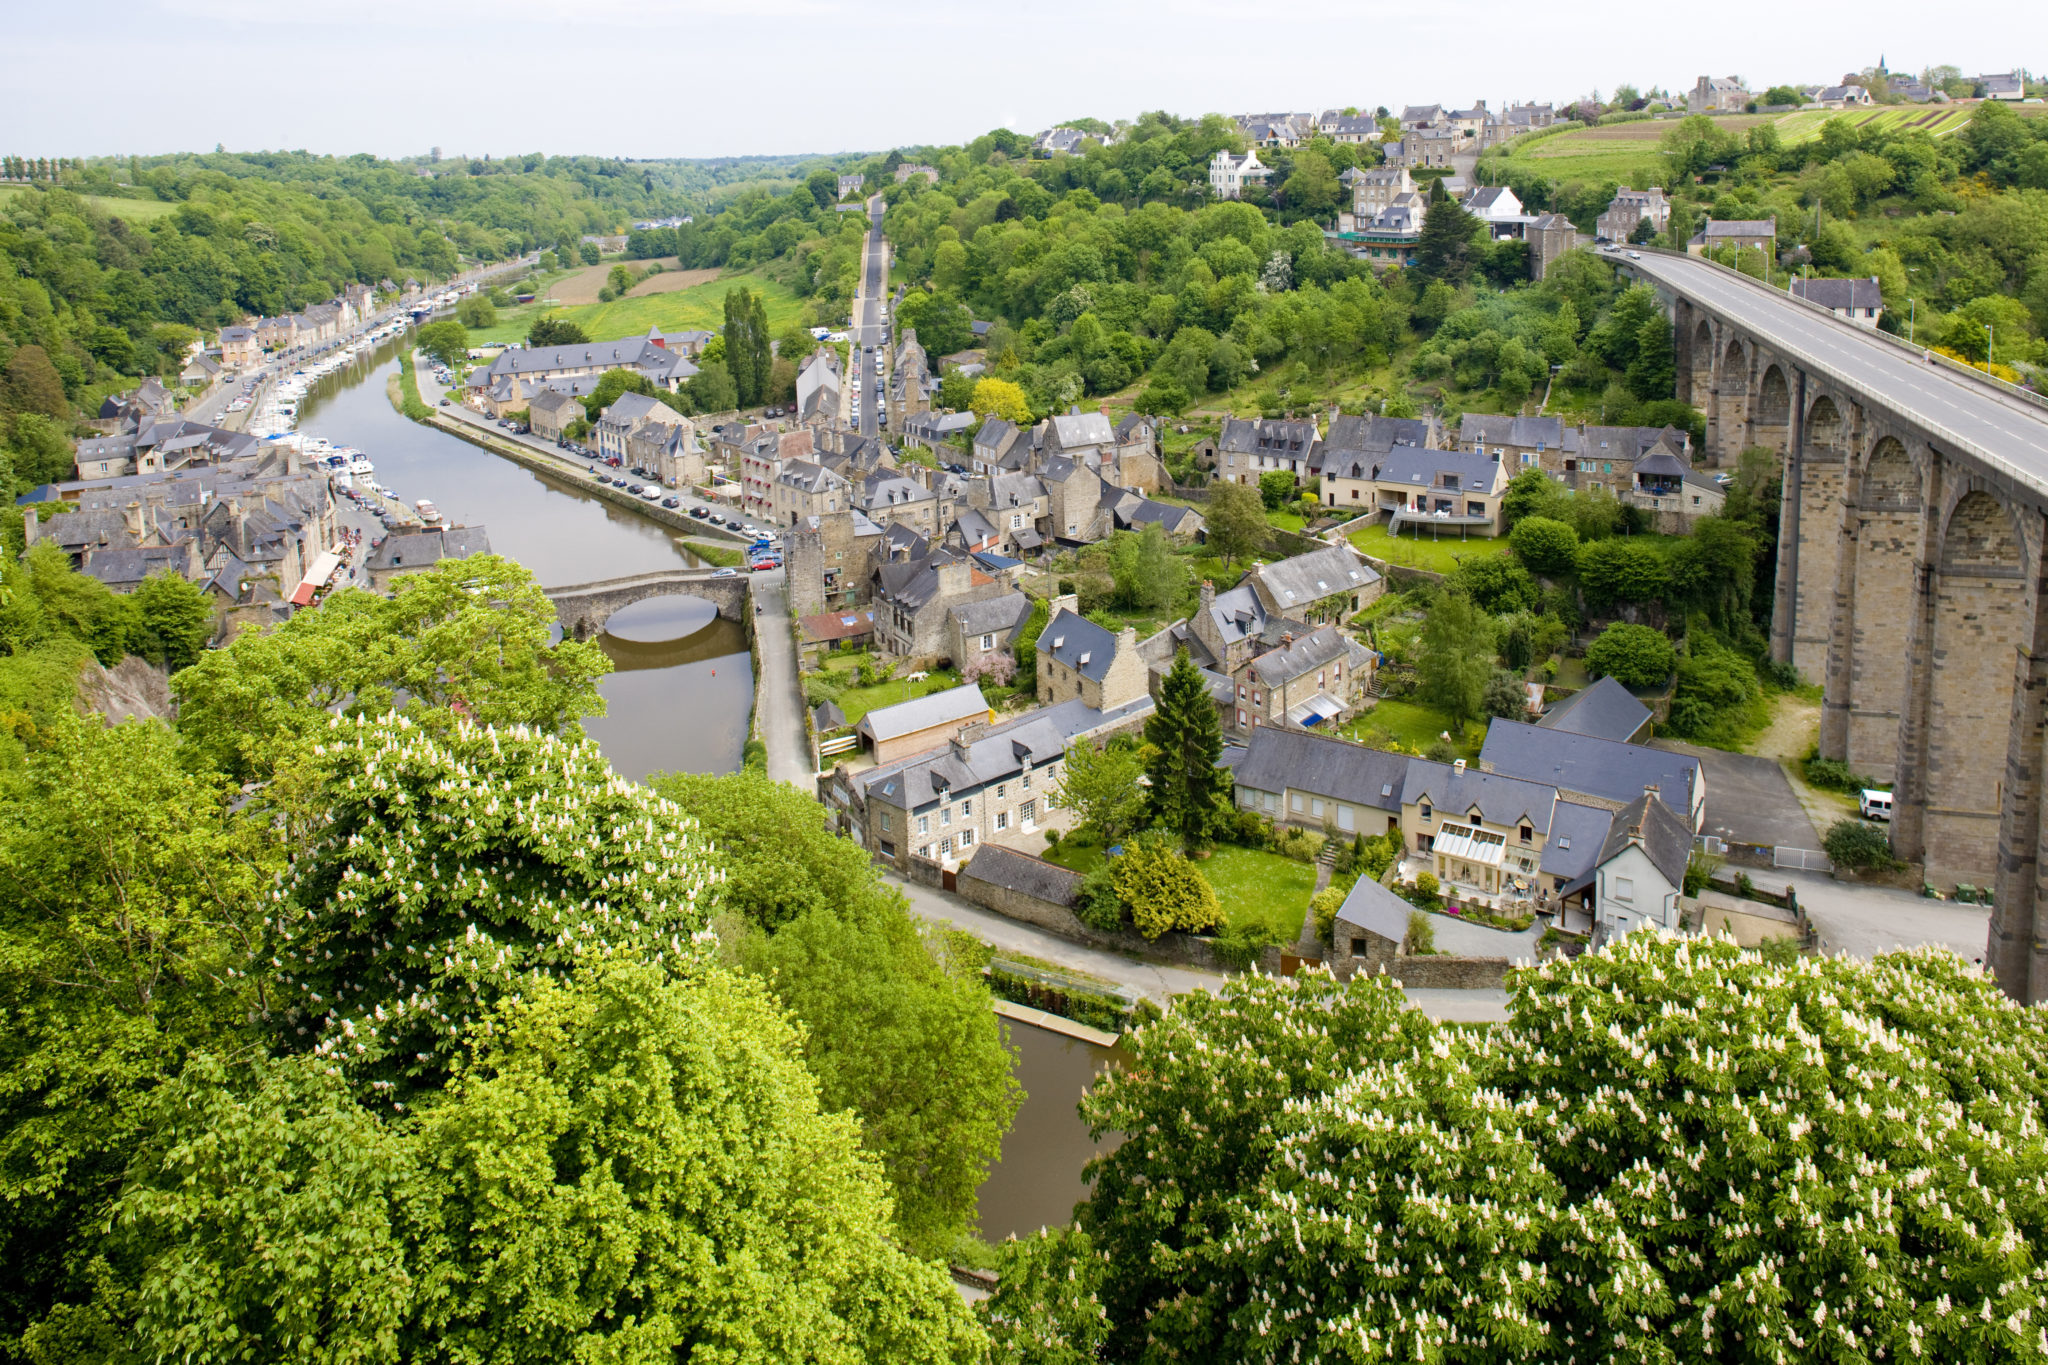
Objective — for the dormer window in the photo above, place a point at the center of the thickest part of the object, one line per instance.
(1423, 814)
(1528, 833)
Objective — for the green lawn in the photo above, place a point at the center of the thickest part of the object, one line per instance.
(1415, 726)
(858, 701)
(1253, 886)
(1441, 553)
(698, 307)
(134, 210)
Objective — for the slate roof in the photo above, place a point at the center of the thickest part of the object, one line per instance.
(1599, 767)
(1083, 429)
(1419, 468)
(1666, 838)
(1375, 909)
(1295, 582)
(837, 625)
(1037, 737)
(1546, 432)
(1168, 515)
(1863, 293)
(1078, 643)
(1501, 800)
(1317, 649)
(1663, 463)
(1740, 227)
(1371, 432)
(827, 716)
(1606, 710)
(1023, 874)
(993, 615)
(1577, 834)
(1277, 759)
(422, 549)
(633, 353)
(964, 702)
(1014, 490)
(551, 400)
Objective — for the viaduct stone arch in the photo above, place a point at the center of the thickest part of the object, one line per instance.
(583, 608)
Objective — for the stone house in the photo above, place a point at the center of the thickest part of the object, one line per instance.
(1245, 448)
(1717, 95)
(657, 446)
(1595, 771)
(1000, 446)
(937, 431)
(922, 723)
(1314, 680)
(975, 630)
(913, 599)
(1518, 442)
(1085, 437)
(1550, 236)
(1426, 149)
(893, 499)
(1017, 506)
(1332, 584)
(1441, 488)
(1079, 660)
(1073, 501)
(239, 348)
(616, 423)
(549, 413)
(804, 490)
(413, 551)
(1860, 301)
(1626, 211)
(1133, 512)
(1609, 455)
(1749, 234)
(830, 561)
(646, 356)
(1371, 927)
(1483, 834)
(820, 390)
(1379, 187)
(1137, 463)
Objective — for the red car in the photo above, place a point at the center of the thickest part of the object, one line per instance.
(761, 565)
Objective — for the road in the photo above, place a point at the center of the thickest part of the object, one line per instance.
(2002, 430)
(869, 349)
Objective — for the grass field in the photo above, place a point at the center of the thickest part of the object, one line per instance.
(134, 210)
(1416, 726)
(699, 305)
(1252, 885)
(1442, 555)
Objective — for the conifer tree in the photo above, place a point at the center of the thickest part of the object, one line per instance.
(1188, 789)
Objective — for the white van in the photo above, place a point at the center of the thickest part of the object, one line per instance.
(1876, 805)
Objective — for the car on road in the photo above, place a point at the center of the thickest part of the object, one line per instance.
(1635, 255)
(671, 502)
(726, 573)
(764, 565)
(699, 513)
(652, 492)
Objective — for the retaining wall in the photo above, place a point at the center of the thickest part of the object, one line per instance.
(1173, 949)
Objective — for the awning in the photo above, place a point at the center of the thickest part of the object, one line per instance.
(323, 568)
(1315, 710)
(303, 594)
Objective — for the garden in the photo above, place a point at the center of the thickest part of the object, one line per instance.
(858, 681)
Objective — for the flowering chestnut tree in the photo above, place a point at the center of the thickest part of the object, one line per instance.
(1673, 1150)
(455, 869)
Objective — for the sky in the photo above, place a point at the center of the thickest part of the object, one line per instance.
(700, 78)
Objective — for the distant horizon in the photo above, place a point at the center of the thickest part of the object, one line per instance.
(740, 78)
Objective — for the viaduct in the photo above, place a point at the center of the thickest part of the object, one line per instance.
(583, 608)
(1911, 577)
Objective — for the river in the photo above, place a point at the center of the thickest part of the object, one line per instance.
(679, 699)
(683, 682)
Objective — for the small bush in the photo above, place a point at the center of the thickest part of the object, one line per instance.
(1325, 904)
(1098, 906)
(1239, 946)
(1441, 751)
(1052, 840)
(1859, 846)
(1423, 893)
(1298, 844)
(754, 755)
(1831, 774)
(1253, 830)
(1421, 934)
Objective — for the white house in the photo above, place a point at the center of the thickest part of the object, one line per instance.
(1229, 174)
(1641, 872)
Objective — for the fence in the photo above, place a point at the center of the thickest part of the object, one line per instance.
(1801, 859)
(838, 746)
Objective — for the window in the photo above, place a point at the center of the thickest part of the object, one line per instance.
(1002, 819)
(1027, 780)
(1026, 813)
(1002, 790)
(1424, 812)
(1315, 807)
(945, 848)
(924, 824)
(1294, 802)
(1624, 889)
(945, 815)
(1240, 718)
(966, 808)
(1256, 698)
(887, 820)
(1346, 818)
(988, 642)
(925, 852)
(966, 838)
(1528, 834)
(1241, 692)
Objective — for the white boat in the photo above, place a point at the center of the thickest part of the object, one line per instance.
(430, 515)
(360, 464)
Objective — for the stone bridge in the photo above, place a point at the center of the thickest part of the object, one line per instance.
(1911, 577)
(583, 608)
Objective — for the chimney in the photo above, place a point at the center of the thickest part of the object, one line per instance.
(960, 744)
(1652, 790)
(1459, 765)
(1208, 594)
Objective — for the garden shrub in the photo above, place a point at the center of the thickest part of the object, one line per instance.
(1831, 774)
(1859, 846)
(1421, 934)
(1298, 844)
(1098, 905)
(1324, 905)
(1239, 946)
(1423, 893)
(1634, 656)
(1162, 889)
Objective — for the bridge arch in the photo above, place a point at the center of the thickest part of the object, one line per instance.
(1702, 377)
(1730, 418)
(1826, 430)
(1980, 619)
(583, 608)
(1876, 597)
(1820, 478)
(1771, 421)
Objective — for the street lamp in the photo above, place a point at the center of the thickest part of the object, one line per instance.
(1911, 309)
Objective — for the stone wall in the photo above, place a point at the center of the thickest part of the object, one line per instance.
(1180, 950)
(1435, 972)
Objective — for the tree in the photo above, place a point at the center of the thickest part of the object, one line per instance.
(1858, 845)
(1002, 398)
(1643, 231)
(446, 341)
(610, 385)
(476, 311)
(1495, 583)
(613, 1137)
(1100, 786)
(1455, 658)
(467, 637)
(1276, 486)
(1634, 656)
(1613, 571)
(1654, 369)
(587, 253)
(995, 668)
(457, 868)
(1532, 493)
(1447, 248)
(552, 329)
(1188, 790)
(1783, 95)
(31, 383)
(1163, 395)
(39, 448)
(823, 187)
(1505, 698)
(176, 620)
(1285, 1106)
(746, 345)
(1312, 187)
(1547, 547)
(1162, 889)
(1147, 574)
(1235, 519)
(711, 389)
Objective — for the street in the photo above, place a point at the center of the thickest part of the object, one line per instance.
(870, 352)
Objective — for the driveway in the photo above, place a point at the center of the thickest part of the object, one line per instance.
(781, 696)
(1864, 921)
(1749, 799)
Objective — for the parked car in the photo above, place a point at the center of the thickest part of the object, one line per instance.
(671, 502)
(699, 513)
(726, 573)
(763, 565)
